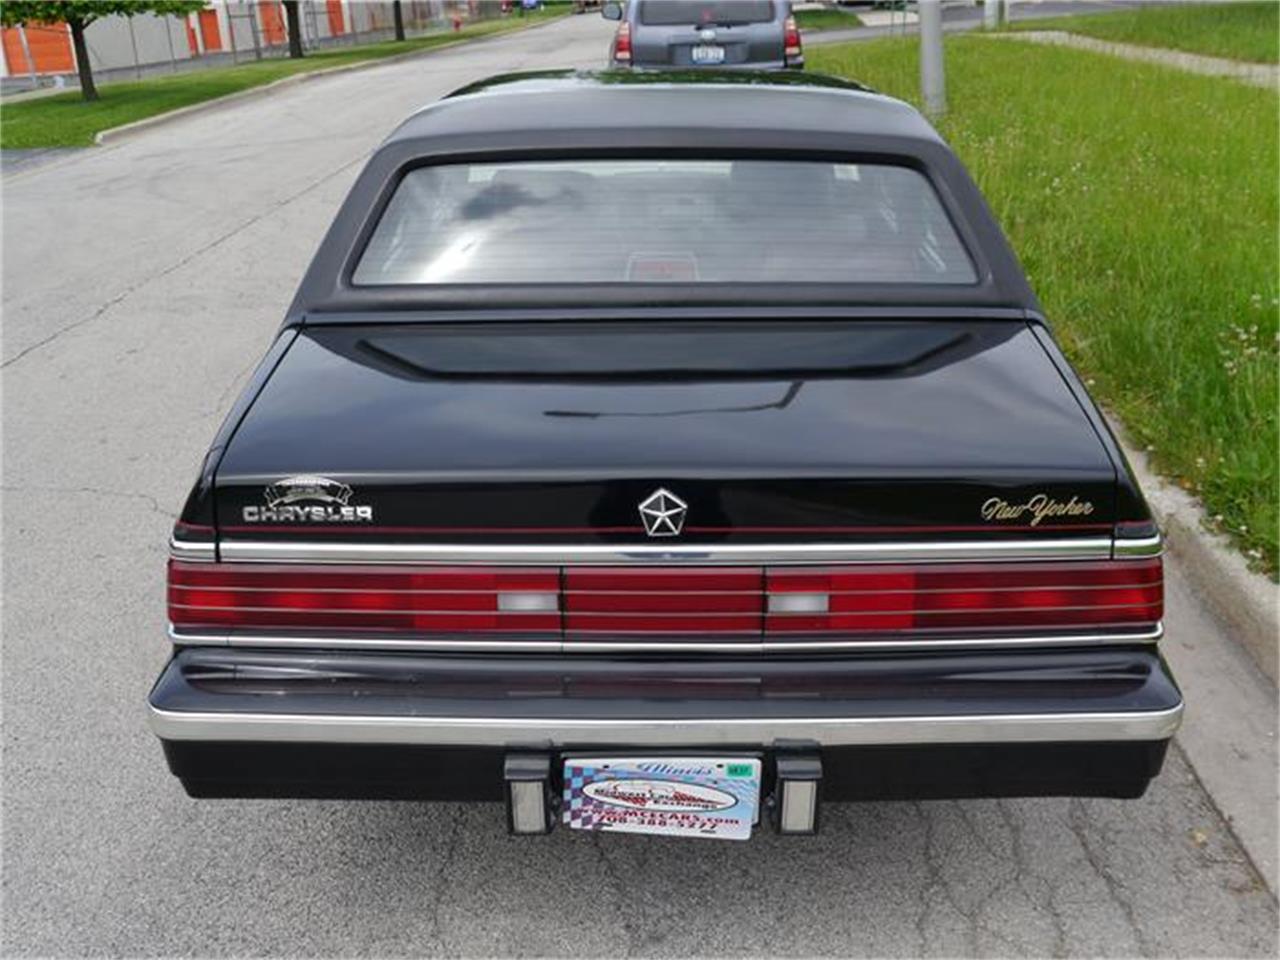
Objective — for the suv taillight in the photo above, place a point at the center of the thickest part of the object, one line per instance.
(622, 44)
(855, 601)
(792, 49)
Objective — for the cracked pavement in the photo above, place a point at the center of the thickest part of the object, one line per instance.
(142, 282)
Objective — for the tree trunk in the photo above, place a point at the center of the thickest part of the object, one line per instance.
(399, 17)
(295, 28)
(87, 89)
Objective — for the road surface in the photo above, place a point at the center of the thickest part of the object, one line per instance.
(141, 284)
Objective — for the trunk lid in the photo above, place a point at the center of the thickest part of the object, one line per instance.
(787, 431)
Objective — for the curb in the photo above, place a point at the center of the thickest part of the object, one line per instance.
(113, 134)
(1248, 603)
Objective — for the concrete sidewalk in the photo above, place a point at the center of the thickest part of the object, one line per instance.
(960, 19)
(1255, 74)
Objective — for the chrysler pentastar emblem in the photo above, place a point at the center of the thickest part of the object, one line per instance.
(663, 513)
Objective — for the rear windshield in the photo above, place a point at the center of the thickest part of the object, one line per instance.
(658, 13)
(664, 221)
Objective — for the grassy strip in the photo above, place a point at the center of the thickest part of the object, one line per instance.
(1237, 31)
(830, 18)
(1145, 207)
(65, 120)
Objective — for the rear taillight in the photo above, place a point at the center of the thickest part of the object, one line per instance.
(416, 599)
(622, 43)
(791, 40)
(707, 600)
(855, 602)
(965, 597)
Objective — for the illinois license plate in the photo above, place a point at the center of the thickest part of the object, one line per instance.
(716, 797)
(708, 53)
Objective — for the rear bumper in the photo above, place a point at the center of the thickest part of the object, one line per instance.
(572, 732)
(659, 67)
(250, 723)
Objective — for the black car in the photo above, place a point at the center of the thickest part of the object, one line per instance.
(688, 34)
(665, 453)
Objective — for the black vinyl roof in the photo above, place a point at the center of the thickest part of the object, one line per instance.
(705, 114)
(723, 99)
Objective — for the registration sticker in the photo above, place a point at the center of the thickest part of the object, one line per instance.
(716, 797)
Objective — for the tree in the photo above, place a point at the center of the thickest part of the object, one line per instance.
(78, 14)
(295, 29)
(398, 14)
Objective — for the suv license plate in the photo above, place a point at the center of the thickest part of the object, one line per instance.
(706, 53)
(716, 797)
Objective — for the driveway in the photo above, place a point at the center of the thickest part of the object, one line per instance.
(141, 284)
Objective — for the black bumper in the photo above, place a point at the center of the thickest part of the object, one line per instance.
(237, 723)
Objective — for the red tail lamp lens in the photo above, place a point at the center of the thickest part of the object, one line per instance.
(734, 602)
(706, 600)
(967, 596)
(791, 38)
(417, 599)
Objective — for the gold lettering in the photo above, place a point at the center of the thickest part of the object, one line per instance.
(1041, 507)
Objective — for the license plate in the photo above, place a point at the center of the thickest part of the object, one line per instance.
(715, 797)
(707, 53)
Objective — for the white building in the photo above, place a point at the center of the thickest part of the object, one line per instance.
(226, 30)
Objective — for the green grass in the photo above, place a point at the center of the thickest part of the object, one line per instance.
(66, 120)
(1238, 31)
(1143, 203)
(831, 18)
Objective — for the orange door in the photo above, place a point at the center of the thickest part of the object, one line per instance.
(192, 42)
(50, 45)
(334, 8)
(13, 55)
(209, 32)
(272, 23)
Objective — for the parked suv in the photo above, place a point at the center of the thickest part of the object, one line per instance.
(704, 33)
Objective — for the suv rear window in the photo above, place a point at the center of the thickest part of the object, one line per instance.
(672, 221)
(660, 13)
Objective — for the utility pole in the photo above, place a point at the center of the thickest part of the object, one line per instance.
(993, 14)
(933, 84)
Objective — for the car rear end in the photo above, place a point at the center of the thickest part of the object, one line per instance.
(637, 563)
(688, 34)
(865, 629)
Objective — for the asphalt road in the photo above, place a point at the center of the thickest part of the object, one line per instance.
(141, 284)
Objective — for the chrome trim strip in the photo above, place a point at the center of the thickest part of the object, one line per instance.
(1098, 548)
(556, 732)
(1144, 547)
(573, 647)
(193, 549)
(452, 645)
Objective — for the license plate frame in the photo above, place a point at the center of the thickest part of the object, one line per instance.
(707, 54)
(704, 797)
